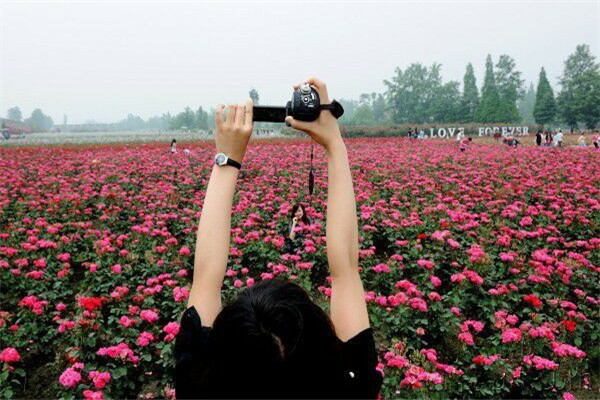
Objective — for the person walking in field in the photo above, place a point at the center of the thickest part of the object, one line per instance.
(558, 139)
(548, 139)
(173, 146)
(538, 138)
(273, 341)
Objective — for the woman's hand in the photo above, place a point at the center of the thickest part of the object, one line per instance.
(233, 132)
(324, 130)
(295, 221)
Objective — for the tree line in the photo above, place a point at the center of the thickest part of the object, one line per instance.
(418, 95)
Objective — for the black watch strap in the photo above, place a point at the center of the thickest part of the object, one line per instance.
(335, 108)
(234, 163)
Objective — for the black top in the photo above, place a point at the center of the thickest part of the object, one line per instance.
(358, 377)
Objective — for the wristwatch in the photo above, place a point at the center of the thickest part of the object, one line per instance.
(221, 159)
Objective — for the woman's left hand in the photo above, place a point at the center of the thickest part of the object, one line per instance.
(233, 132)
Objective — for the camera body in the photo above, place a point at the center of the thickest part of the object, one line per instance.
(305, 104)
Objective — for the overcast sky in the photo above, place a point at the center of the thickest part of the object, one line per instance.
(103, 60)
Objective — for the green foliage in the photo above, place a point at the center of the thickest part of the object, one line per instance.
(470, 96)
(510, 88)
(490, 100)
(39, 121)
(579, 99)
(254, 95)
(14, 113)
(417, 95)
(526, 105)
(545, 105)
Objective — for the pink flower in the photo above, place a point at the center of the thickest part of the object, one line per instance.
(568, 396)
(9, 355)
(100, 379)
(145, 338)
(172, 330)
(70, 378)
(511, 335)
(92, 395)
(149, 316)
(116, 268)
(184, 251)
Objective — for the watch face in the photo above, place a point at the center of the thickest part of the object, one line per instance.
(221, 159)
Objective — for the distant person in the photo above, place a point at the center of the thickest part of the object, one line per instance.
(464, 143)
(558, 138)
(173, 146)
(548, 138)
(298, 219)
(581, 141)
(497, 135)
(421, 134)
(409, 133)
(538, 138)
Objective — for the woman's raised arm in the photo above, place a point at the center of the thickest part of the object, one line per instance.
(348, 305)
(214, 230)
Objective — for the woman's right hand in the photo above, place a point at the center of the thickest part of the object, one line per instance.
(295, 221)
(325, 129)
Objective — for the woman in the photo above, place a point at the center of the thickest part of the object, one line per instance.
(538, 138)
(273, 341)
(299, 219)
(548, 139)
(173, 146)
(581, 140)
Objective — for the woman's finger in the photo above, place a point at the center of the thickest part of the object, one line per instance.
(240, 114)
(230, 114)
(219, 116)
(249, 113)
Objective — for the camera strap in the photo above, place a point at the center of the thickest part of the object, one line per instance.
(335, 108)
(311, 173)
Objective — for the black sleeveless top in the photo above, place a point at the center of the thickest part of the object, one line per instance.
(357, 379)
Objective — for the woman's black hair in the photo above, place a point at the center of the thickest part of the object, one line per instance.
(273, 341)
(304, 216)
(173, 141)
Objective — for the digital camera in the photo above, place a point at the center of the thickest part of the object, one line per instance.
(304, 106)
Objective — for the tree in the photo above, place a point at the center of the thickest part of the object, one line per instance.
(526, 105)
(254, 95)
(411, 93)
(470, 96)
(510, 89)
(490, 100)
(201, 119)
(579, 98)
(350, 107)
(14, 113)
(39, 121)
(446, 105)
(184, 120)
(131, 123)
(544, 110)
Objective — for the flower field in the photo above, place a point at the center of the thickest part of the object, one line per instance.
(481, 268)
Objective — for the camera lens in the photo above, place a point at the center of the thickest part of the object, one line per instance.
(305, 99)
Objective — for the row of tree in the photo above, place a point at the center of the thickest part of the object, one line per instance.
(418, 95)
(38, 121)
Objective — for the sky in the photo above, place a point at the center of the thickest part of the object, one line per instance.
(100, 60)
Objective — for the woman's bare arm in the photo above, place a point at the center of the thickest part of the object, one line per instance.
(214, 229)
(348, 306)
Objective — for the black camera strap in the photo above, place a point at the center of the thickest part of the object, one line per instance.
(335, 108)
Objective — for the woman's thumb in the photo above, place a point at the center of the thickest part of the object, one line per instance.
(300, 125)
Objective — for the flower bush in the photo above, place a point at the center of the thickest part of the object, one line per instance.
(480, 268)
